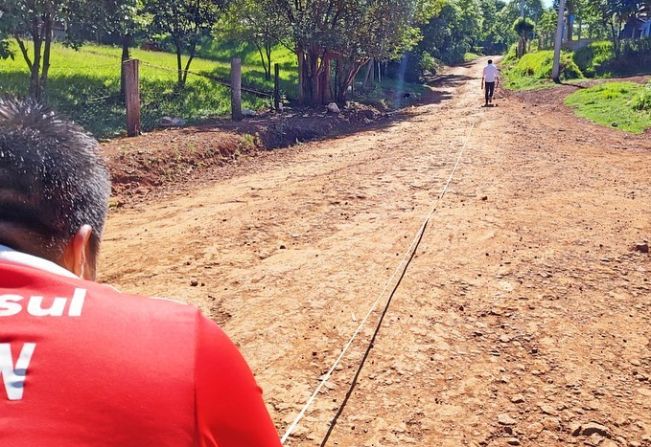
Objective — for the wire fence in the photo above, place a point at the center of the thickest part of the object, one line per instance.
(91, 96)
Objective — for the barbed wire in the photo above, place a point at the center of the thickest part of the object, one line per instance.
(213, 78)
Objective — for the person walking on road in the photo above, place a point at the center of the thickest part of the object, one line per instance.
(81, 363)
(489, 81)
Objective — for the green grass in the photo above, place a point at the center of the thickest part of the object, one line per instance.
(469, 57)
(85, 85)
(615, 104)
(534, 70)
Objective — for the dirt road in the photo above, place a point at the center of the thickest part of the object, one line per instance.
(524, 319)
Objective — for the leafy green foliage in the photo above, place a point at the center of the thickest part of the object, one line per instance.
(524, 26)
(592, 59)
(185, 23)
(599, 58)
(546, 28)
(256, 23)
(121, 18)
(511, 56)
(449, 35)
(469, 57)
(614, 104)
(341, 36)
(642, 101)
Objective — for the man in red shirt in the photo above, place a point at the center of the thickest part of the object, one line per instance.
(80, 363)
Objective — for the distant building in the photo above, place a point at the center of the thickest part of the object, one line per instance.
(636, 28)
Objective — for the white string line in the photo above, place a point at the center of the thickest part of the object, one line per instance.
(398, 269)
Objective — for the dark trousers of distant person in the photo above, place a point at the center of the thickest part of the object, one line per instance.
(489, 87)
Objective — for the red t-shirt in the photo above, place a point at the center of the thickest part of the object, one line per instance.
(85, 365)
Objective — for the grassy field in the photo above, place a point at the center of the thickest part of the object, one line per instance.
(623, 105)
(85, 85)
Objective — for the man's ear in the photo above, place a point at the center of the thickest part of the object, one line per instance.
(78, 256)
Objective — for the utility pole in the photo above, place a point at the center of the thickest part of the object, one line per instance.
(556, 69)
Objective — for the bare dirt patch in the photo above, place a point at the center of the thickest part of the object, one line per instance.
(166, 160)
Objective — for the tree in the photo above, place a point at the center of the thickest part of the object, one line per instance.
(447, 36)
(495, 38)
(343, 35)
(122, 20)
(471, 20)
(524, 28)
(5, 49)
(185, 22)
(35, 20)
(257, 23)
(380, 30)
(546, 28)
(614, 13)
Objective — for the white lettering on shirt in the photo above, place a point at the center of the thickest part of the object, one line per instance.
(13, 376)
(38, 306)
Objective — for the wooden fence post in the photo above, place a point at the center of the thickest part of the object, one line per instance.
(132, 96)
(236, 89)
(276, 86)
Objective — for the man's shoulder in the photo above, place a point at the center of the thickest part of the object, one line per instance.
(95, 300)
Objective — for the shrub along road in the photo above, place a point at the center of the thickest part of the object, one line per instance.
(524, 318)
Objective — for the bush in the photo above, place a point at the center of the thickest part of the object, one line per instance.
(511, 56)
(428, 64)
(524, 26)
(594, 58)
(642, 101)
(637, 48)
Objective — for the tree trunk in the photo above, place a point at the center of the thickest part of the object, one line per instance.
(301, 73)
(45, 67)
(347, 71)
(269, 50)
(369, 72)
(179, 66)
(615, 39)
(186, 70)
(35, 68)
(325, 94)
(522, 46)
(313, 78)
(263, 60)
(126, 43)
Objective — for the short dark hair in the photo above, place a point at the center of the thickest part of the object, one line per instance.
(490, 61)
(53, 179)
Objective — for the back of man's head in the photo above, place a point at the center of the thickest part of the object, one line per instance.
(490, 61)
(52, 181)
